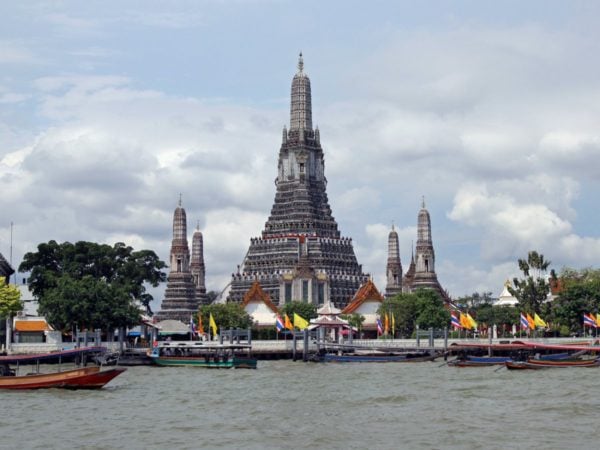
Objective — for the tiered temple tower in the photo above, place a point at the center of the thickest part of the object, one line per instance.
(197, 267)
(424, 275)
(394, 266)
(300, 254)
(180, 296)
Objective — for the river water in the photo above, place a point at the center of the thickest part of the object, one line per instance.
(288, 404)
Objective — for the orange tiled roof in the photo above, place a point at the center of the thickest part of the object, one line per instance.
(255, 293)
(367, 291)
(31, 325)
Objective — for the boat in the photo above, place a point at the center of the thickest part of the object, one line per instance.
(402, 358)
(208, 355)
(534, 364)
(468, 363)
(82, 378)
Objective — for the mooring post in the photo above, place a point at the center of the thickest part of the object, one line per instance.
(418, 337)
(293, 346)
(490, 341)
(249, 336)
(231, 335)
(305, 348)
(431, 337)
(445, 339)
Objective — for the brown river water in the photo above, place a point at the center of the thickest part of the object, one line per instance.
(285, 404)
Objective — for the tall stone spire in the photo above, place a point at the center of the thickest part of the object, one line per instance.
(179, 302)
(301, 108)
(424, 265)
(425, 253)
(180, 252)
(394, 266)
(301, 254)
(197, 266)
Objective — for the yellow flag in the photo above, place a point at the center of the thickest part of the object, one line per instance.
(288, 323)
(386, 327)
(212, 324)
(464, 321)
(538, 321)
(299, 322)
(597, 320)
(393, 323)
(472, 323)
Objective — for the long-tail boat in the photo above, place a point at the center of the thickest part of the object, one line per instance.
(83, 378)
(546, 364)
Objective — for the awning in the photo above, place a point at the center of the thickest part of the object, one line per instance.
(31, 325)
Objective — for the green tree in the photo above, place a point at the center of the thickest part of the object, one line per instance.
(92, 285)
(579, 294)
(226, 315)
(354, 320)
(502, 316)
(10, 299)
(476, 299)
(423, 307)
(531, 290)
(305, 310)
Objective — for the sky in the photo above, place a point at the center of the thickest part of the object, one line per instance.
(109, 110)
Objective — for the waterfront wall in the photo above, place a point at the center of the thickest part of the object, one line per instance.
(286, 346)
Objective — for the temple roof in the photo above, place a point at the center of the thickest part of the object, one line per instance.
(328, 310)
(367, 291)
(256, 295)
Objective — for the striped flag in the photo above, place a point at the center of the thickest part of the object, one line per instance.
(379, 327)
(588, 321)
(454, 321)
(279, 323)
(524, 322)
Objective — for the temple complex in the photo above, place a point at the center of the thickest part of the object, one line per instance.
(185, 282)
(300, 254)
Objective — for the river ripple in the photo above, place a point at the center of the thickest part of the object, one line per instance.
(305, 405)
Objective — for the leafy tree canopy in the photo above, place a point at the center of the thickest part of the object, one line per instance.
(91, 285)
(579, 294)
(424, 307)
(476, 299)
(10, 299)
(355, 320)
(531, 290)
(303, 309)
(228, 315)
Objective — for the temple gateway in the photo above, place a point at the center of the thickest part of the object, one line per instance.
(300, 254)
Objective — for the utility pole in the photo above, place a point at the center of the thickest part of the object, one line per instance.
(11, 251)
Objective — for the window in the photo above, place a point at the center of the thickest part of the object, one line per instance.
(288, 292)
(178, 264)
(301, 167)
(321, 293)
(305, 290)
(426, 265)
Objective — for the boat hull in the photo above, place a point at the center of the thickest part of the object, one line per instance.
(539, 364)
(375, 358)
(84, 378)
(207, 363)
